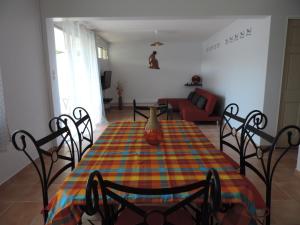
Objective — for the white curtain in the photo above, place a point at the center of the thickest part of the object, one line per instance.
(4, 133)
(78, 75)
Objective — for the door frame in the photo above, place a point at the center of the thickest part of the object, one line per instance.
(284, 77)
(52, 66)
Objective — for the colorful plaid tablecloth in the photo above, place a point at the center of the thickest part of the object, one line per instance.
(122, 155)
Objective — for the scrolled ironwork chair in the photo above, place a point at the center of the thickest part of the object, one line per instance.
(230, 126)
(83, 127)
(207, 191)
(50, 163)
(230, 131)
(162, 109)
(268, 156)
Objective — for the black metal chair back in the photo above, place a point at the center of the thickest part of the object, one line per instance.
(209, 190)
(162, 109)
(85, 129)
(268, 156)
(230, 119)
(230, 128)
(51, 163)
(82, 127)
(71, 123)
(81, 122)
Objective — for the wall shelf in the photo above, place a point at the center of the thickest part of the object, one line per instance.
(192, 85)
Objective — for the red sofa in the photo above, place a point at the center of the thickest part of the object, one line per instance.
(189, 111)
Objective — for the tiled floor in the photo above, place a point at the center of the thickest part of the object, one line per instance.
(21, 202)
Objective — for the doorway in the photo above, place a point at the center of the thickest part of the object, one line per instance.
(290, 91)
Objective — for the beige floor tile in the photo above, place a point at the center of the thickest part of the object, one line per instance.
(20, 214)
(4, 206)
(292, 188)
(27, 176)
(286, 212)
(38, 220)
(21, 193)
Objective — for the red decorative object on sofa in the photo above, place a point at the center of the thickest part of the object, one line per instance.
(191, 112)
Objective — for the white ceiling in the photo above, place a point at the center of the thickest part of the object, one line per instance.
(126, 30)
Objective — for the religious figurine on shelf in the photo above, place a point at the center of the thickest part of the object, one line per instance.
(153, 62)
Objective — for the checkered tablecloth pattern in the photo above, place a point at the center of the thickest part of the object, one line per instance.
(122, 155)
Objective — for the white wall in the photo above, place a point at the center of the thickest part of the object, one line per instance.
(237, 70)
(280, 10)
(24, 77)
(178, 61)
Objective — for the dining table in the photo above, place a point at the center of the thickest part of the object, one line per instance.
(184, 156)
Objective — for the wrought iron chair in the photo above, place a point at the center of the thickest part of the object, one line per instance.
(162, 109)
(268, 156)
(208, 190)
(83, 127)
(51, 163)
(230, 127)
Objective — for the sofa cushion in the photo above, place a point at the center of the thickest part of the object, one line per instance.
(195, 99)
(201, 102)
(190, 96)
(211, 100)
(184, 104)
(190, 112)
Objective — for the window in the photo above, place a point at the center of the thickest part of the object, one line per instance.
(100, 52)
(105, 54)
(59, 40)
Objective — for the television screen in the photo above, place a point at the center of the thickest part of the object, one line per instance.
(106, 80)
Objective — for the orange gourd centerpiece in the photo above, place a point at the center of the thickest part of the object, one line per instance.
(153, 133)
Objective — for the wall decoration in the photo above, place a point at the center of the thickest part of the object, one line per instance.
(249, 31)
(153, 62)
(246, 33)
(213, 47)
(196, 80)
(242, 34)
(238, 36)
